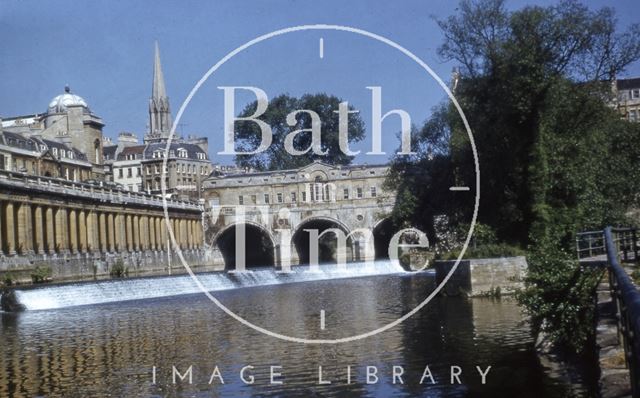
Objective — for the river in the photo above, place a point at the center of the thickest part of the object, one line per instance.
(112, 349)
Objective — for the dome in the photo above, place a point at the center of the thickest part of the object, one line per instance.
(61, 102)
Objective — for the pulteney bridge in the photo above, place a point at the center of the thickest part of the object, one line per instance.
(276, 208)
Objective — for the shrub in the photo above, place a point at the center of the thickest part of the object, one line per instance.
(492, 250)
(8, 279)
(119, 270)
(558, 295)
(41, 274)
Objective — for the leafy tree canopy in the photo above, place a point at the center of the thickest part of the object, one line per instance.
(248, 136)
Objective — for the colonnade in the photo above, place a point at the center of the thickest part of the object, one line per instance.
(30, 229)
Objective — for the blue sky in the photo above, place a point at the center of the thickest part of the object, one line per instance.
(104, 51)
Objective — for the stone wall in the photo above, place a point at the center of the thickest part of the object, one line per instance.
(481, 277)
(101, 265)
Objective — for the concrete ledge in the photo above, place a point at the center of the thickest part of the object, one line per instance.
(482, 277)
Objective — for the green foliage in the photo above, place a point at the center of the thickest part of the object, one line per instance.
(492, 250)
(248, 136)
(635, 276)
(8, 279)
(554, 157)
(119, 270)
(559, 296)
(41, 274)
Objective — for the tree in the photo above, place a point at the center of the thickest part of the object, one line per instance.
(554, 157)
(248, 136)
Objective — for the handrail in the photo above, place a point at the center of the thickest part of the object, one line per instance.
(626, 298)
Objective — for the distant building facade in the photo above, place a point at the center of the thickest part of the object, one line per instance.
(280, 206)
(63, 142)
(140, 167)
(627, 98)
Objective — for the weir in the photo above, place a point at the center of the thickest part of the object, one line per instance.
(89, 293)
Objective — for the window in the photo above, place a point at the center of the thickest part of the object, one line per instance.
(359, 193)
(254, 199)
(279, 197)
(55, 151)
(635, 93)
(182, 153)
(633, 115)
(304, 196)
(293, 196)
(266, 198)
(345, 193)
(70, 155)
(129, 173)
(201, 156)
(373, 192)
(120, 173)
(240, 200)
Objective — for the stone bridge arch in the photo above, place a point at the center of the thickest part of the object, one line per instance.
(259, 245)
(327, 243)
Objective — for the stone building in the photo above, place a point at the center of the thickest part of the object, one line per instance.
(68, 134)
(627, 98)
(318, 196)
(34, 155)
(80, 230)
(140, 167)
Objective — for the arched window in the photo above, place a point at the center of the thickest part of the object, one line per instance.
(96, 146)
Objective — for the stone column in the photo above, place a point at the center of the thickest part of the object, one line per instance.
(39, 232)
(95, 233)
(136, 233)
(151, 221)
(159, 243)
(193, 233)
(144, 232)
(194, 228)
(199, 234)
(50, 230)
(129, 231)
(73, 229)
(102, 219)
(2, 245)
(183, 234)
(163, 234)
(82, 224)
(111, 226)
(25, 231)
(176, 233)
(11, 234)
(120, 236)
(187, 226)
(62, 244)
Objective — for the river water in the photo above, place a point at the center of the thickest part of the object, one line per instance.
(111, 349)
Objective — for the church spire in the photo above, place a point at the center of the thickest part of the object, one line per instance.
(159, 110)
(158, 90)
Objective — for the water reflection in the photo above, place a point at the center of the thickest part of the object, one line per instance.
(110, 350)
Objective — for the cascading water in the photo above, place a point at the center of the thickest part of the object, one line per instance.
(74, 294)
